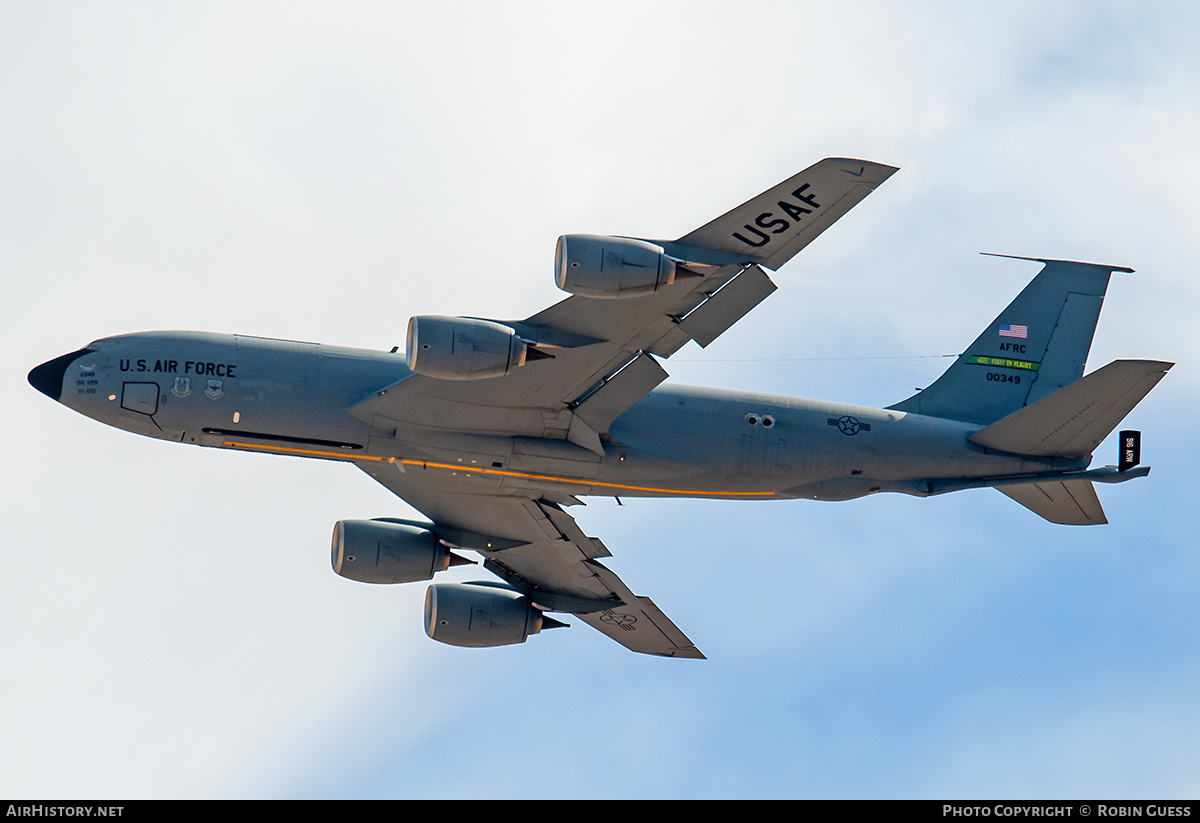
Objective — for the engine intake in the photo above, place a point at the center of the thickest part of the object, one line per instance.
(462, 348)
(611, 267)
(481, 614)
(375, 551)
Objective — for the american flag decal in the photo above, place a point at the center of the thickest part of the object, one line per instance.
(1011, 330)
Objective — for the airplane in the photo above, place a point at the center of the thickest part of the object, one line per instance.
(493, 429)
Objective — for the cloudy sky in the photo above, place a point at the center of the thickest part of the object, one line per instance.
(170, 624)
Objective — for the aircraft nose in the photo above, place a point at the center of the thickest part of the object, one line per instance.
(48, 377)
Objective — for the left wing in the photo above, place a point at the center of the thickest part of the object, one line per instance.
(603, 351)
(595, 357)
(539, 549)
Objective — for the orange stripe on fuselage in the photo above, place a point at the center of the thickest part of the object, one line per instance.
(425, 464)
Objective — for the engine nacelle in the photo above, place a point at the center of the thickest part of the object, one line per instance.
(460, 348)
(479, 614)
(375, 551)
(610, 267)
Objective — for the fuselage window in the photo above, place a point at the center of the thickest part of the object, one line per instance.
(140, 397)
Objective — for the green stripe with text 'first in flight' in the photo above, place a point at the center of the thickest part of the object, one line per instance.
(1002, 362)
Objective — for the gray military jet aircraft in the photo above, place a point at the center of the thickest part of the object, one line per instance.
(492, 429)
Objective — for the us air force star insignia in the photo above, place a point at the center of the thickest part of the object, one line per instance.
(182, 387)
(214, 390)
(621, 621)
(848, 425)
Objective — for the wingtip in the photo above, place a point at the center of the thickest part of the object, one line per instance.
(879, 171)
(862, 162)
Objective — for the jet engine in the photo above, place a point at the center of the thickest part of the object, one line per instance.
(610, 267)
(376, 551)
(461, 348)
(481, 614)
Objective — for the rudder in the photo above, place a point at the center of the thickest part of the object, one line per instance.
(1036, 346)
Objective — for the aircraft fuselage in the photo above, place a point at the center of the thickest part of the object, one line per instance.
(292, 398)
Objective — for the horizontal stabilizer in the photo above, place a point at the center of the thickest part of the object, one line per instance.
(1073, 421)
(1069, 502)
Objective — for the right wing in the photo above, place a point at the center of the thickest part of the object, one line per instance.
(539, 549)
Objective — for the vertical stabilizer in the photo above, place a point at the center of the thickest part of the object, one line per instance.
(1036, 346)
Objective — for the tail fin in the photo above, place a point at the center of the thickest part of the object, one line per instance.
(1037, 345)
